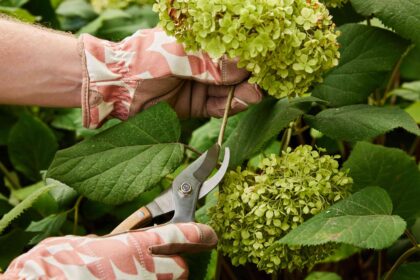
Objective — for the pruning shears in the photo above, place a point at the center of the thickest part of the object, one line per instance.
(189, 186)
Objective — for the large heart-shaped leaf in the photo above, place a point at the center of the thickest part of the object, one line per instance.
(31, 146)
(120, 163)
(361, 122)
(402, 15)
(391, 169)
(368, 55)
(365, 220)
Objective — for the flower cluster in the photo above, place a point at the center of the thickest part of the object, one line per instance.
(286, 44)
(258, 207)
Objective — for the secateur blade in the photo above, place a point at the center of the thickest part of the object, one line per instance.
(173, 198)
(186, 186)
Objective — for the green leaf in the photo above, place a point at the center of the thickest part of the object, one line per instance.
(71, 119)
(94, 26)
(45, 203)
(198, 264)
(414, 111)
(364, 220)
(21, 207)
(368, 55)
(19, 13)
(31, 146)
(343, 252)
(408, 91)
(408, 271)
(4, 205)
(401, 15)
(410, 66)
(391, 169)
(61, 193)
(13, 3)
(318, 275)
(120, 163)
(119, 28)
(46, 227)
(361, 122)
(12, 245)
(75, 8)
(259, 125)
(6, 123)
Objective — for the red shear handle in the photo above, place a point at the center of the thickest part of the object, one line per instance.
(138, 219)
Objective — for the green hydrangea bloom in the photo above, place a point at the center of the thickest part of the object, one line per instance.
(100, 5)
(334, 3)
(258, 207)
(286, 44)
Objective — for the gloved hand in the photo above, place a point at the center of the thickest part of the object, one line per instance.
(139, 254)
(121, 79)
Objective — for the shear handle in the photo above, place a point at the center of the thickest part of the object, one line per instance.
(138, 219)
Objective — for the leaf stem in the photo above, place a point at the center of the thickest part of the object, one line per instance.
(400, 260)
(76, 214)
(15, 184)
(411, 237)
(413, 147)
(394, 74)
(192, 149)
(379, 272)
(225, 116)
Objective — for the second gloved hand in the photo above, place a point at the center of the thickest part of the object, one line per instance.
(121, 79)
(138, 254)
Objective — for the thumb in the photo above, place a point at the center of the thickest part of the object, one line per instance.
(183, 238)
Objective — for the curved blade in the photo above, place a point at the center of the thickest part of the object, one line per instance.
(215, 180)
(205, 164)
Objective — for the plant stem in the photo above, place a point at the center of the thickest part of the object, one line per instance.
(287, 135)
(394, 74)
(192, 149)
(225, 116)
(411, 237)
(378, 276)
(15, 184)
(400, 260)
(76, 214)
(414, 146)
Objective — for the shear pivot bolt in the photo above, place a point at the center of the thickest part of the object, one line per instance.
(185, 188)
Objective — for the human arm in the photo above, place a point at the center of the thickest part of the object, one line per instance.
(38, 66)
(108, 79)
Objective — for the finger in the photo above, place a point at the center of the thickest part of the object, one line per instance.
(223, 71)
(245, 94)
(231, 73)
(170, 265)
(182, 238)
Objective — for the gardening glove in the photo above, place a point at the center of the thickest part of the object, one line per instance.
(139, 254)
(121, 79)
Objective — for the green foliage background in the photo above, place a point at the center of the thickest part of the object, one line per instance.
(367, 109)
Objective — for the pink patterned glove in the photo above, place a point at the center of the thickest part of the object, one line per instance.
(121, 79)
(140, 254)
